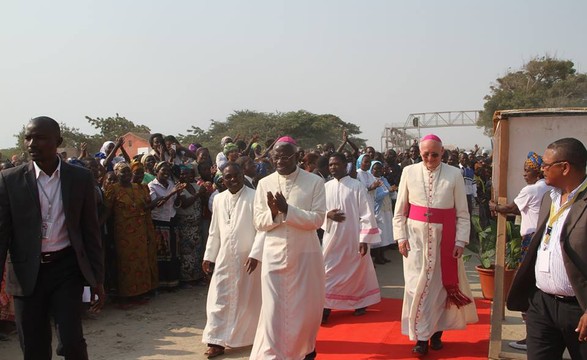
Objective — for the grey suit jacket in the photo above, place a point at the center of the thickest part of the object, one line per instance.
(20, 225)
(574, 249)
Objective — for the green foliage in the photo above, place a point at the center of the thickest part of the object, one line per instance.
(543, 82)
(112, 128)
(72, 137)
(513, 250)
(485, 248)
(307, 128)
(195, 135)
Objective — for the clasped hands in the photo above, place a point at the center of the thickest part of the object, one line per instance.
(277, 203)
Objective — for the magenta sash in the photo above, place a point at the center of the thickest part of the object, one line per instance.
(448, 264)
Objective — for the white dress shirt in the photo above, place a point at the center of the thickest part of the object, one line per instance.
(551, 275)
(54, 232)
(156, 190)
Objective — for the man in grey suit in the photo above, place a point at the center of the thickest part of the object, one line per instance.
(50, 238)
(551, 283)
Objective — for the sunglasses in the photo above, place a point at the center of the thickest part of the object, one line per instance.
(282, 158)
(432, 155)
(547, 165)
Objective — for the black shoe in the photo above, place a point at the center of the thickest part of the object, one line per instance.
(421, 348)
(311, 356)
(360, 311)
(436, 341)
(325, 315)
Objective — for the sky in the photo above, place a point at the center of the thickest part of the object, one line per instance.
(171, 65)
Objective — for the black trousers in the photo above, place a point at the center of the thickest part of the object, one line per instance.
(550, 328)
(57, 296)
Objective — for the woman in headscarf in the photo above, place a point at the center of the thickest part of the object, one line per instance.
(188, 216)
(527, 204)
(164, 192)
(128, 204)
(107, 154)
(365, 177)
(110, 272)
(148, 161)
(205, 181)
(383, 213)
(138, 175)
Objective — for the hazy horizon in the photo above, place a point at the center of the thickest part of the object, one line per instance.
(173, 65)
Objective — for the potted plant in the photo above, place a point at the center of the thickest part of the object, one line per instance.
(484, 250)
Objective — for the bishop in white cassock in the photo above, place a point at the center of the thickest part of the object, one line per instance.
(289, 207)
(350, 225)
(431, 224)
(234, 296)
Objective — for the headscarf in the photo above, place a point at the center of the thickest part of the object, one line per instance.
(229, 147)
(121, 165)
(136, 165)
(373, 164)
(360, 160)
(225, 140)
(145, 157)
(159, 165)
(533, 161)
(105, 146)
(192, 147)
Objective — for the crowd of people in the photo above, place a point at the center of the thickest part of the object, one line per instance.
(281, 235)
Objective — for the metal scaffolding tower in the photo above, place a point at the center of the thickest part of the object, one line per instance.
(398, 137)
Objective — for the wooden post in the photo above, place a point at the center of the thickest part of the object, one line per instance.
(497, 307)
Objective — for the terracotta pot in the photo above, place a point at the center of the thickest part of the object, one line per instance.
(486, 278)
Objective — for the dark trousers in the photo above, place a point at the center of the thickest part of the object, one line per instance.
(57, 295)
(550, 328)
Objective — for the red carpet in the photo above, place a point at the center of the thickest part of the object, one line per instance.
(377, 335)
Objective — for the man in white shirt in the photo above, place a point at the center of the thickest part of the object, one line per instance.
(526, 204)
(49, 228)
(551, 283)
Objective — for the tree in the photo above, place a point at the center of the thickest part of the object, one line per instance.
(307, 128)
(72, 137)
(196, 135)
(543, 82)
(113, 127)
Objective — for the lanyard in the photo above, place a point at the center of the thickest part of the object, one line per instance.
(554, 216)
(50, 201)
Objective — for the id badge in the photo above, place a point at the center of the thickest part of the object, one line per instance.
(46, 228)
(544, 265)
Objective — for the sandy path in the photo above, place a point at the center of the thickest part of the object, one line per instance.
(170, 325)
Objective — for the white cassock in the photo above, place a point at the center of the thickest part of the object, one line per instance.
(351, 282)
(292, 270)
(234, 297)
(424, 311)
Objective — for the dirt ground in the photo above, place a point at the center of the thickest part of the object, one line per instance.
(170, 326)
